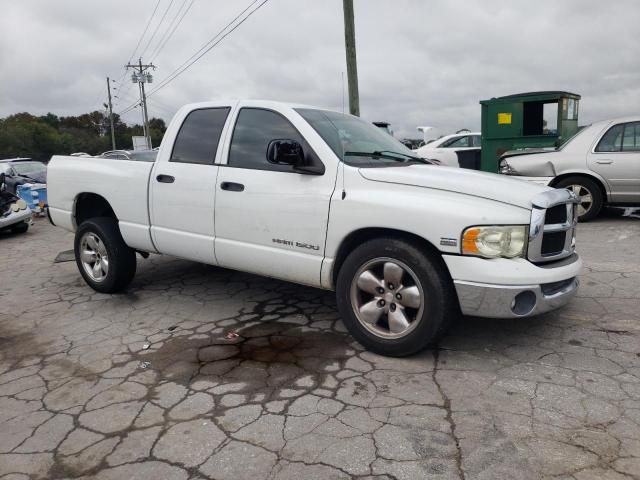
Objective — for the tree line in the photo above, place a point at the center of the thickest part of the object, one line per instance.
(40, 137)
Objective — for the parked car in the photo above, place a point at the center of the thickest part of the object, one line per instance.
(15, 215)
(330, 201)
(139, 155)
(445, 149)
(19, 171)
(600, 164)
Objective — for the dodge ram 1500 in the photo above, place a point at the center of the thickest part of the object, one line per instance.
(328, 200)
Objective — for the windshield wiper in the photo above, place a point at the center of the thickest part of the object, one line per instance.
(388, 154)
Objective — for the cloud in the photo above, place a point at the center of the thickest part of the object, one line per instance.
(418, 62)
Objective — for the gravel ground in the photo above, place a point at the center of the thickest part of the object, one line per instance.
(200, 372)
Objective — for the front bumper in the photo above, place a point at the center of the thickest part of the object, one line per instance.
(489, 287)
(15, 217)
(509, 301)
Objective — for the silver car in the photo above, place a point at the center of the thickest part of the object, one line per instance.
(600, 164)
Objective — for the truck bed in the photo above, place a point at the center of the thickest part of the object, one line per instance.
(124, 182)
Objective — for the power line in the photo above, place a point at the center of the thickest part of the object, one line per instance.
(146, 28)
(120, 80)
(206, 47)
(169, 31)
(156, 29)
(182, 68)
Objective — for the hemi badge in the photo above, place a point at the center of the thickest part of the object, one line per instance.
(449, 242)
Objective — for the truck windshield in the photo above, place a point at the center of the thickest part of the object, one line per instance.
(357, 142)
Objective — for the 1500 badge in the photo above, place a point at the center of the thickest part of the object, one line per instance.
(296, 244)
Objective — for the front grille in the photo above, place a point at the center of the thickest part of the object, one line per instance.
(552, 229)
(557, 214)
(553, 243)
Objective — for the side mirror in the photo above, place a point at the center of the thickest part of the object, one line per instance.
(290, 152)
(285, 152)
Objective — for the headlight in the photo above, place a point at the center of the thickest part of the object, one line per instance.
(495, 241)
(22, 205)
(507, 169)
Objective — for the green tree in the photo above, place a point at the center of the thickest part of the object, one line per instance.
(26, 135)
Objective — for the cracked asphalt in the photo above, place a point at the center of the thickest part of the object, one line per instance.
(199, 372)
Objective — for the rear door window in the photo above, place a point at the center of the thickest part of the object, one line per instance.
(631, 137)
(612, 140)
(199, 135)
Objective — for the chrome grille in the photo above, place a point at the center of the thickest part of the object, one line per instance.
(553, 222)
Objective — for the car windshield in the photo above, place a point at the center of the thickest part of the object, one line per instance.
(357, 142)
(26, 168)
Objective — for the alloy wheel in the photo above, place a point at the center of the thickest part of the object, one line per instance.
(585, 197)
(94, 257)
(387, 297)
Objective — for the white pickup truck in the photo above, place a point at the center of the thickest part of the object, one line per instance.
(328, 200)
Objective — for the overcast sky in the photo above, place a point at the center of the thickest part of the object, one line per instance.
(419, 62)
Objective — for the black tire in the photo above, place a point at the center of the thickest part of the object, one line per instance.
(122, 259)
(20, 228)
(594, 190)
(439, 302)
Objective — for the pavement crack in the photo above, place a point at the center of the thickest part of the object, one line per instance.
(449, 416)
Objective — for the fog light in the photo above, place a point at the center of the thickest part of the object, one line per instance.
(523, 303)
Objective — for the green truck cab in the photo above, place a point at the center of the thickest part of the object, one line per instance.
(526, 120)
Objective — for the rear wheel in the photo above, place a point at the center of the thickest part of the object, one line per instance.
(393, 298)
(589, 194)
(105, 262)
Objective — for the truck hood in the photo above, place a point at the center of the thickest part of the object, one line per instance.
(491, 186)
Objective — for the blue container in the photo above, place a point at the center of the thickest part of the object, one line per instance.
(33, 194)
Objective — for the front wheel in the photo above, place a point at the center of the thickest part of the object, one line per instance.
(105, 262)
(394, 298)
(589, 194)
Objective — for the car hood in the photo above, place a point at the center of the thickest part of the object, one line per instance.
(491, 186)
(36, 177)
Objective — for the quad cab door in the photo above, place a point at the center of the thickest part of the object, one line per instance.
(616, 158)
(270, 218)
(182, 187)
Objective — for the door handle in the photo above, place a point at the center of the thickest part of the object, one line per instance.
(604, 161)
(232, 186)
(165, 178)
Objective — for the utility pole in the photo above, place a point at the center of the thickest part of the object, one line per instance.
(352, 69)
(141, 76)
(113, 135)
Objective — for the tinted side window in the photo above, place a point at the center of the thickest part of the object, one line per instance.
(254, 129)
(631, 137)
(477, 140)
(460, 142)
(197, 140)
(612, 140)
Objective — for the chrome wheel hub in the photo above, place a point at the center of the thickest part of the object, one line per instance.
(585, 197)
(94, 257)
(387, 297)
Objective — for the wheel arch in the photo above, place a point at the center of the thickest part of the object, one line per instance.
(357, 237)
(88, 205)
(595, 178)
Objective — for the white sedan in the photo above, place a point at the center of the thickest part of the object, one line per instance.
(445, 149)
